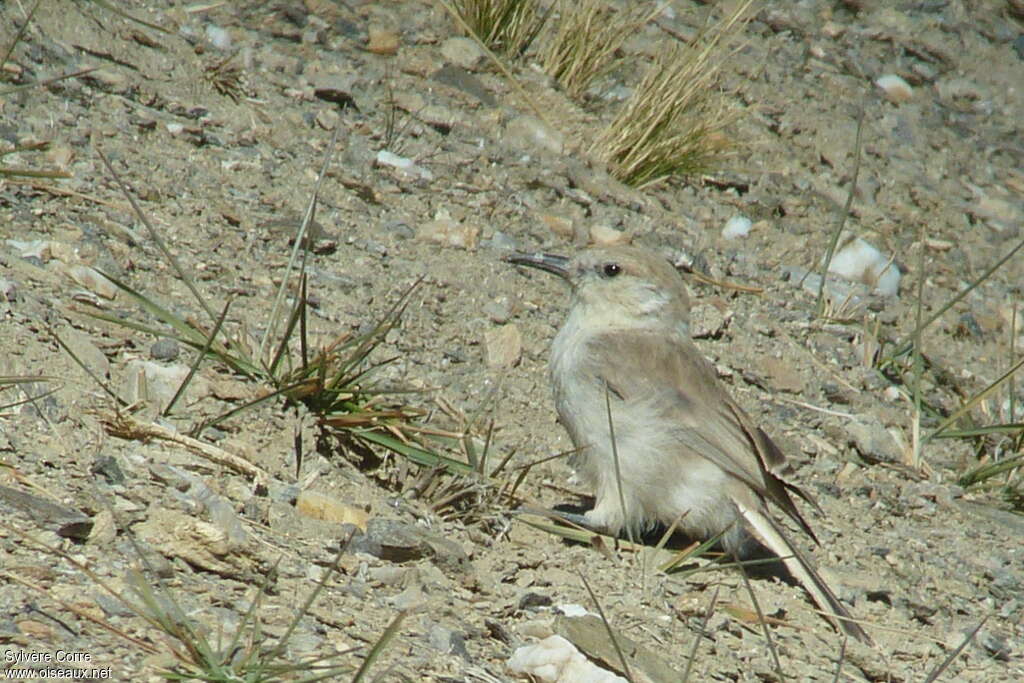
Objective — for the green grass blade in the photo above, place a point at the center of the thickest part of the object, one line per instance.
(199, 359)
(378, 648)
(155, 236)
(185, 332)
(905, 345)
(974, 400)
(78, 361)
(990, 470)
(298, 313)
(416, 454)
(819, 302)
(608, 628)
(301, 243)
(20, 33)
(988, 430)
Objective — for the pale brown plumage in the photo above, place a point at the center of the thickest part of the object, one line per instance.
(683, 445)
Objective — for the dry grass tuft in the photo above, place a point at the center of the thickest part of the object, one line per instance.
(504, 26)
(674, 122)
(589, 34)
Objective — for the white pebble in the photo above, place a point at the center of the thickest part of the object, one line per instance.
(403, 164)
(573, 610)
(859, 261)
(530, 133)
(895, 88)
(556, 660)
(218, 37)
(736, 227)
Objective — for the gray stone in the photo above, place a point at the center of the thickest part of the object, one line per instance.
(529, 133)
(873, 442)
(165, 349)
(504, 346)
(464, 52)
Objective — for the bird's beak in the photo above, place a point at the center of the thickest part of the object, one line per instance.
(553, 263)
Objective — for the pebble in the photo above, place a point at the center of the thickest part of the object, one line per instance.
(559, 224)
(464, 52)
(463, 80)
(873, 441)
(93, 280)
(407, 166)
(707, 321)
(530, 133)
(38, 249)
(501, 241)
(218, 37)
(449, 232)
(556, 660)
(66, 522)
(783, 376)
(382, 41)
(322, 506)
(390, 540)
(104, 528)
(106, 466)
(605, 235)
(498, 310)
(998, 213)
(8, 290)
(201, 544)
(1018, 46)
(895, 88)
(108, 79)
(859, 261)
(400, 229)
(157, 384)
(504, 346)
(836, 290)
(165, 349)
(736, 227)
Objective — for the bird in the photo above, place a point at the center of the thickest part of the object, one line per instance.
(656, 435)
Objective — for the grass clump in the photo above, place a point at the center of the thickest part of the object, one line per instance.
(584, 44)
(505, 26)
(333, 382)
(673, 123)
(244, 654)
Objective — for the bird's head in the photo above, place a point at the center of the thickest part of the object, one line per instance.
(621, 286)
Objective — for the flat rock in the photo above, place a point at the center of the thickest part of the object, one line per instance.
(504, 346)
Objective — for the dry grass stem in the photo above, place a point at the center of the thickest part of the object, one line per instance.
(126, 427)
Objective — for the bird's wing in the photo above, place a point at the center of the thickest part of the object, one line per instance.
(683, 389)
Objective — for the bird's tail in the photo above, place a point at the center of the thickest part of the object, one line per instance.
(801, 569)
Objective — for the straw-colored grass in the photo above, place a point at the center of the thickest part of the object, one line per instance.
(507, 27)
(674, 123)
(583, 46)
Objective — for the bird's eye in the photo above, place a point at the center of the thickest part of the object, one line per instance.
(612, 269)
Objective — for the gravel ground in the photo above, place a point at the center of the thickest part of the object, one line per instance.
(220, 127)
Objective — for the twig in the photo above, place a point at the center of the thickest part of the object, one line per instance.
(127, 427)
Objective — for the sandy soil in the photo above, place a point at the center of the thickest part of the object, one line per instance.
(224, 159)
